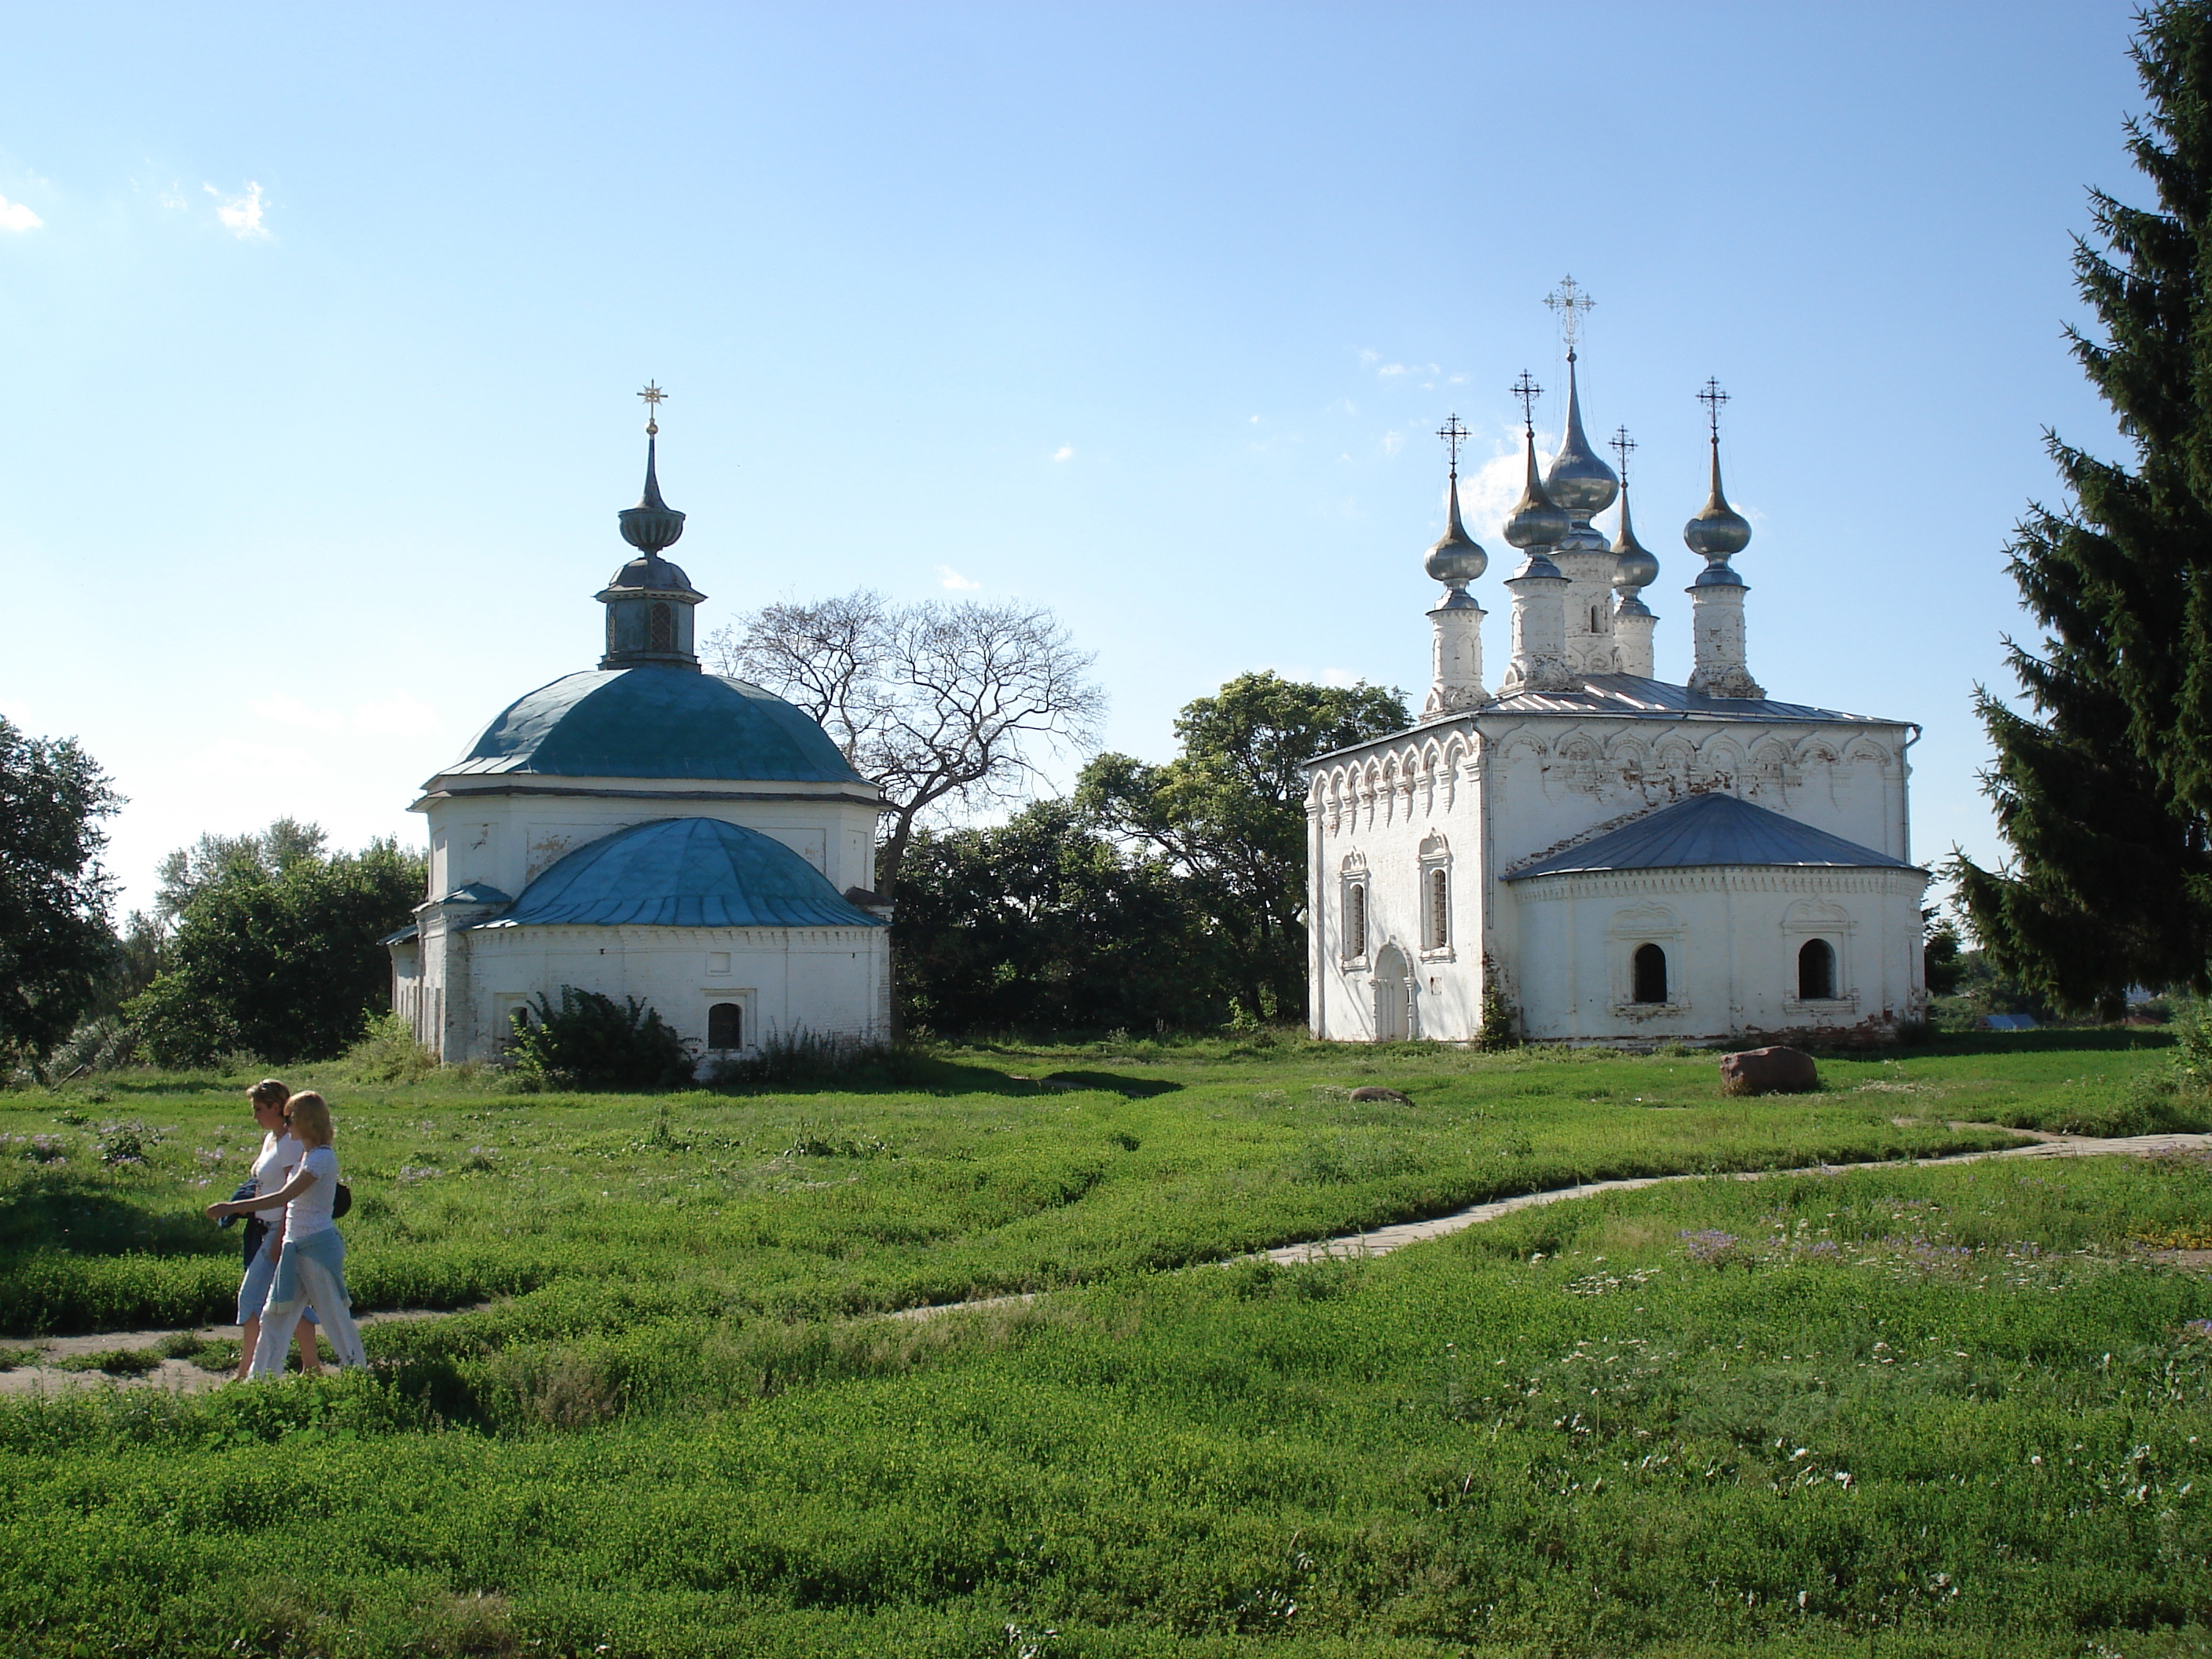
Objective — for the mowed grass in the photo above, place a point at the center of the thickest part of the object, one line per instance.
(1951, 1411)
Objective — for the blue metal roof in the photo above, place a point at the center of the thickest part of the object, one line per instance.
(683, 872)
(654, 721)
(1710, 829)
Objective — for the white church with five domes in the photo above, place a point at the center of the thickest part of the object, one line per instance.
(1590, 852)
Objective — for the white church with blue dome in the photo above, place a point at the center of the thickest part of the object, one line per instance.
(647, 830)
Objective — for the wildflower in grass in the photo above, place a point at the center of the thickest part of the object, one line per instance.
(1710, 1244)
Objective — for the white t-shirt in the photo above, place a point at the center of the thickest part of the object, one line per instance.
(280, 1156)
(310, 1213)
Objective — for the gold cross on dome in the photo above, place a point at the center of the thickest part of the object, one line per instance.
(1454, 435)
(1570, 303)
(654, 398)
(1712, 398)
(1623, 446)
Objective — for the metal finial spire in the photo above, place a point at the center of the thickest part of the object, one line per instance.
(1712, 398)
(1528, 391)
(1570, 304)
(654, 398)
(1454, 435)
(1623, 446)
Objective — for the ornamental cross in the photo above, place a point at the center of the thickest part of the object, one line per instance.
(1623, 446)
(654, 398)
(1454, 435)
(1712, 398)
(1570, 304)
(1528, 391)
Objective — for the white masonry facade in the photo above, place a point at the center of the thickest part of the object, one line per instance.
(1591, 854)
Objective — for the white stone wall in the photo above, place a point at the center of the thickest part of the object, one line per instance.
(1489, 791)
(1731, 938)
(828, 980)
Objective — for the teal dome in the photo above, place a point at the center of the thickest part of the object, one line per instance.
(653, 721)
(683, 872)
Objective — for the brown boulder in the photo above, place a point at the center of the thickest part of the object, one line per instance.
(1370, 1092)
(1775, 1070)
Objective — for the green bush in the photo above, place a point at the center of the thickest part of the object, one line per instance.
(593, 1041)
(388, 1053)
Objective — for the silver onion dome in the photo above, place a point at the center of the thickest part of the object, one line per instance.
(1578, 480)
(1718, 532)
(1457, 559)
(1536, 522)
(1635, 568)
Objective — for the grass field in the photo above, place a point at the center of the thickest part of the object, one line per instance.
(1919, 1410)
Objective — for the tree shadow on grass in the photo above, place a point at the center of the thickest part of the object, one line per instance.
(2059, 1040)
(1136, 1088)
(56, 1210)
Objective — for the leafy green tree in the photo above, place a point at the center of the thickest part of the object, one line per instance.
(1228, 815)
(2103, 786)
(1043, 923)
(55, 944)
(596, 1041)
(189, 869)
(282, 962)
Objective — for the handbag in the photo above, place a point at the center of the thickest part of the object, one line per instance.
(341, 1200)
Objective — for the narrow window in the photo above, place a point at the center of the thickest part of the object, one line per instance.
(1596, 627)
(1651, 974)
(1816, 971)
(1439, 909)
(664, 628)
(726, 1026)
(1355, 920)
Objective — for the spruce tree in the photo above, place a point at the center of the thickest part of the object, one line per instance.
(2103, 786)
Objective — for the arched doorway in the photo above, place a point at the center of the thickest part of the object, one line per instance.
(1816, 971)
(1649, 963)
(1392, 989)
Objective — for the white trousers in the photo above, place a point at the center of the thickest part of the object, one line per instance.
(319, 1289)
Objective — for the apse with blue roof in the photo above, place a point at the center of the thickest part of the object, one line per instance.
(647, 829)
(1588, 852)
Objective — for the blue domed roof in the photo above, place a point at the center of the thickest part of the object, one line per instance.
(683, 872)
(653, 721)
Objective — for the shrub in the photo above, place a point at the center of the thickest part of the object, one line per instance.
(593, 1041)
(388, 1053)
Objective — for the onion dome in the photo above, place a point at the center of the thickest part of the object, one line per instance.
(1718, 532)
(1636, 568)
(651, 526)
(1457, 559)
(1578, 480)
(1536, 522)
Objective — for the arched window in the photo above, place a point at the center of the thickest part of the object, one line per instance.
(1439, 908)
(1355, 920)
(726, 1026)
(1651, 974)
(663, 627)
(1816, 971)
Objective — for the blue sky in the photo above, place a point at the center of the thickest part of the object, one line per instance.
(319, 330)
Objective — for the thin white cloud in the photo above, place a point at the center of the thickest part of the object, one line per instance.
(241, 214)
(948, 577)
(1392, 441)
(14, 216)
(1065, 452)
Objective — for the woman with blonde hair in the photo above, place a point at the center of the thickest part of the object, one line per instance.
(310, 1267)
(279, 1156)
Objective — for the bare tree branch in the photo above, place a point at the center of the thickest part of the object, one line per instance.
(939, 705)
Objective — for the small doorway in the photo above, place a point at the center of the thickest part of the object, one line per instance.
(1650, 969)
(1816, 971)
(1393, 1022)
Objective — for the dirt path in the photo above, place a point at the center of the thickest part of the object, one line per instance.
(183, 1377)
(170, 1376)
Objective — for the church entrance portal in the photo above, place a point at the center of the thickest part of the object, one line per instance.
(1393, 994)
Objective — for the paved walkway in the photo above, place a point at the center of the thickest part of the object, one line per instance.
(182, 1377)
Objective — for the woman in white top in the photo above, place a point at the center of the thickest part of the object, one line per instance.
(280, 1154)
(310, 1267)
